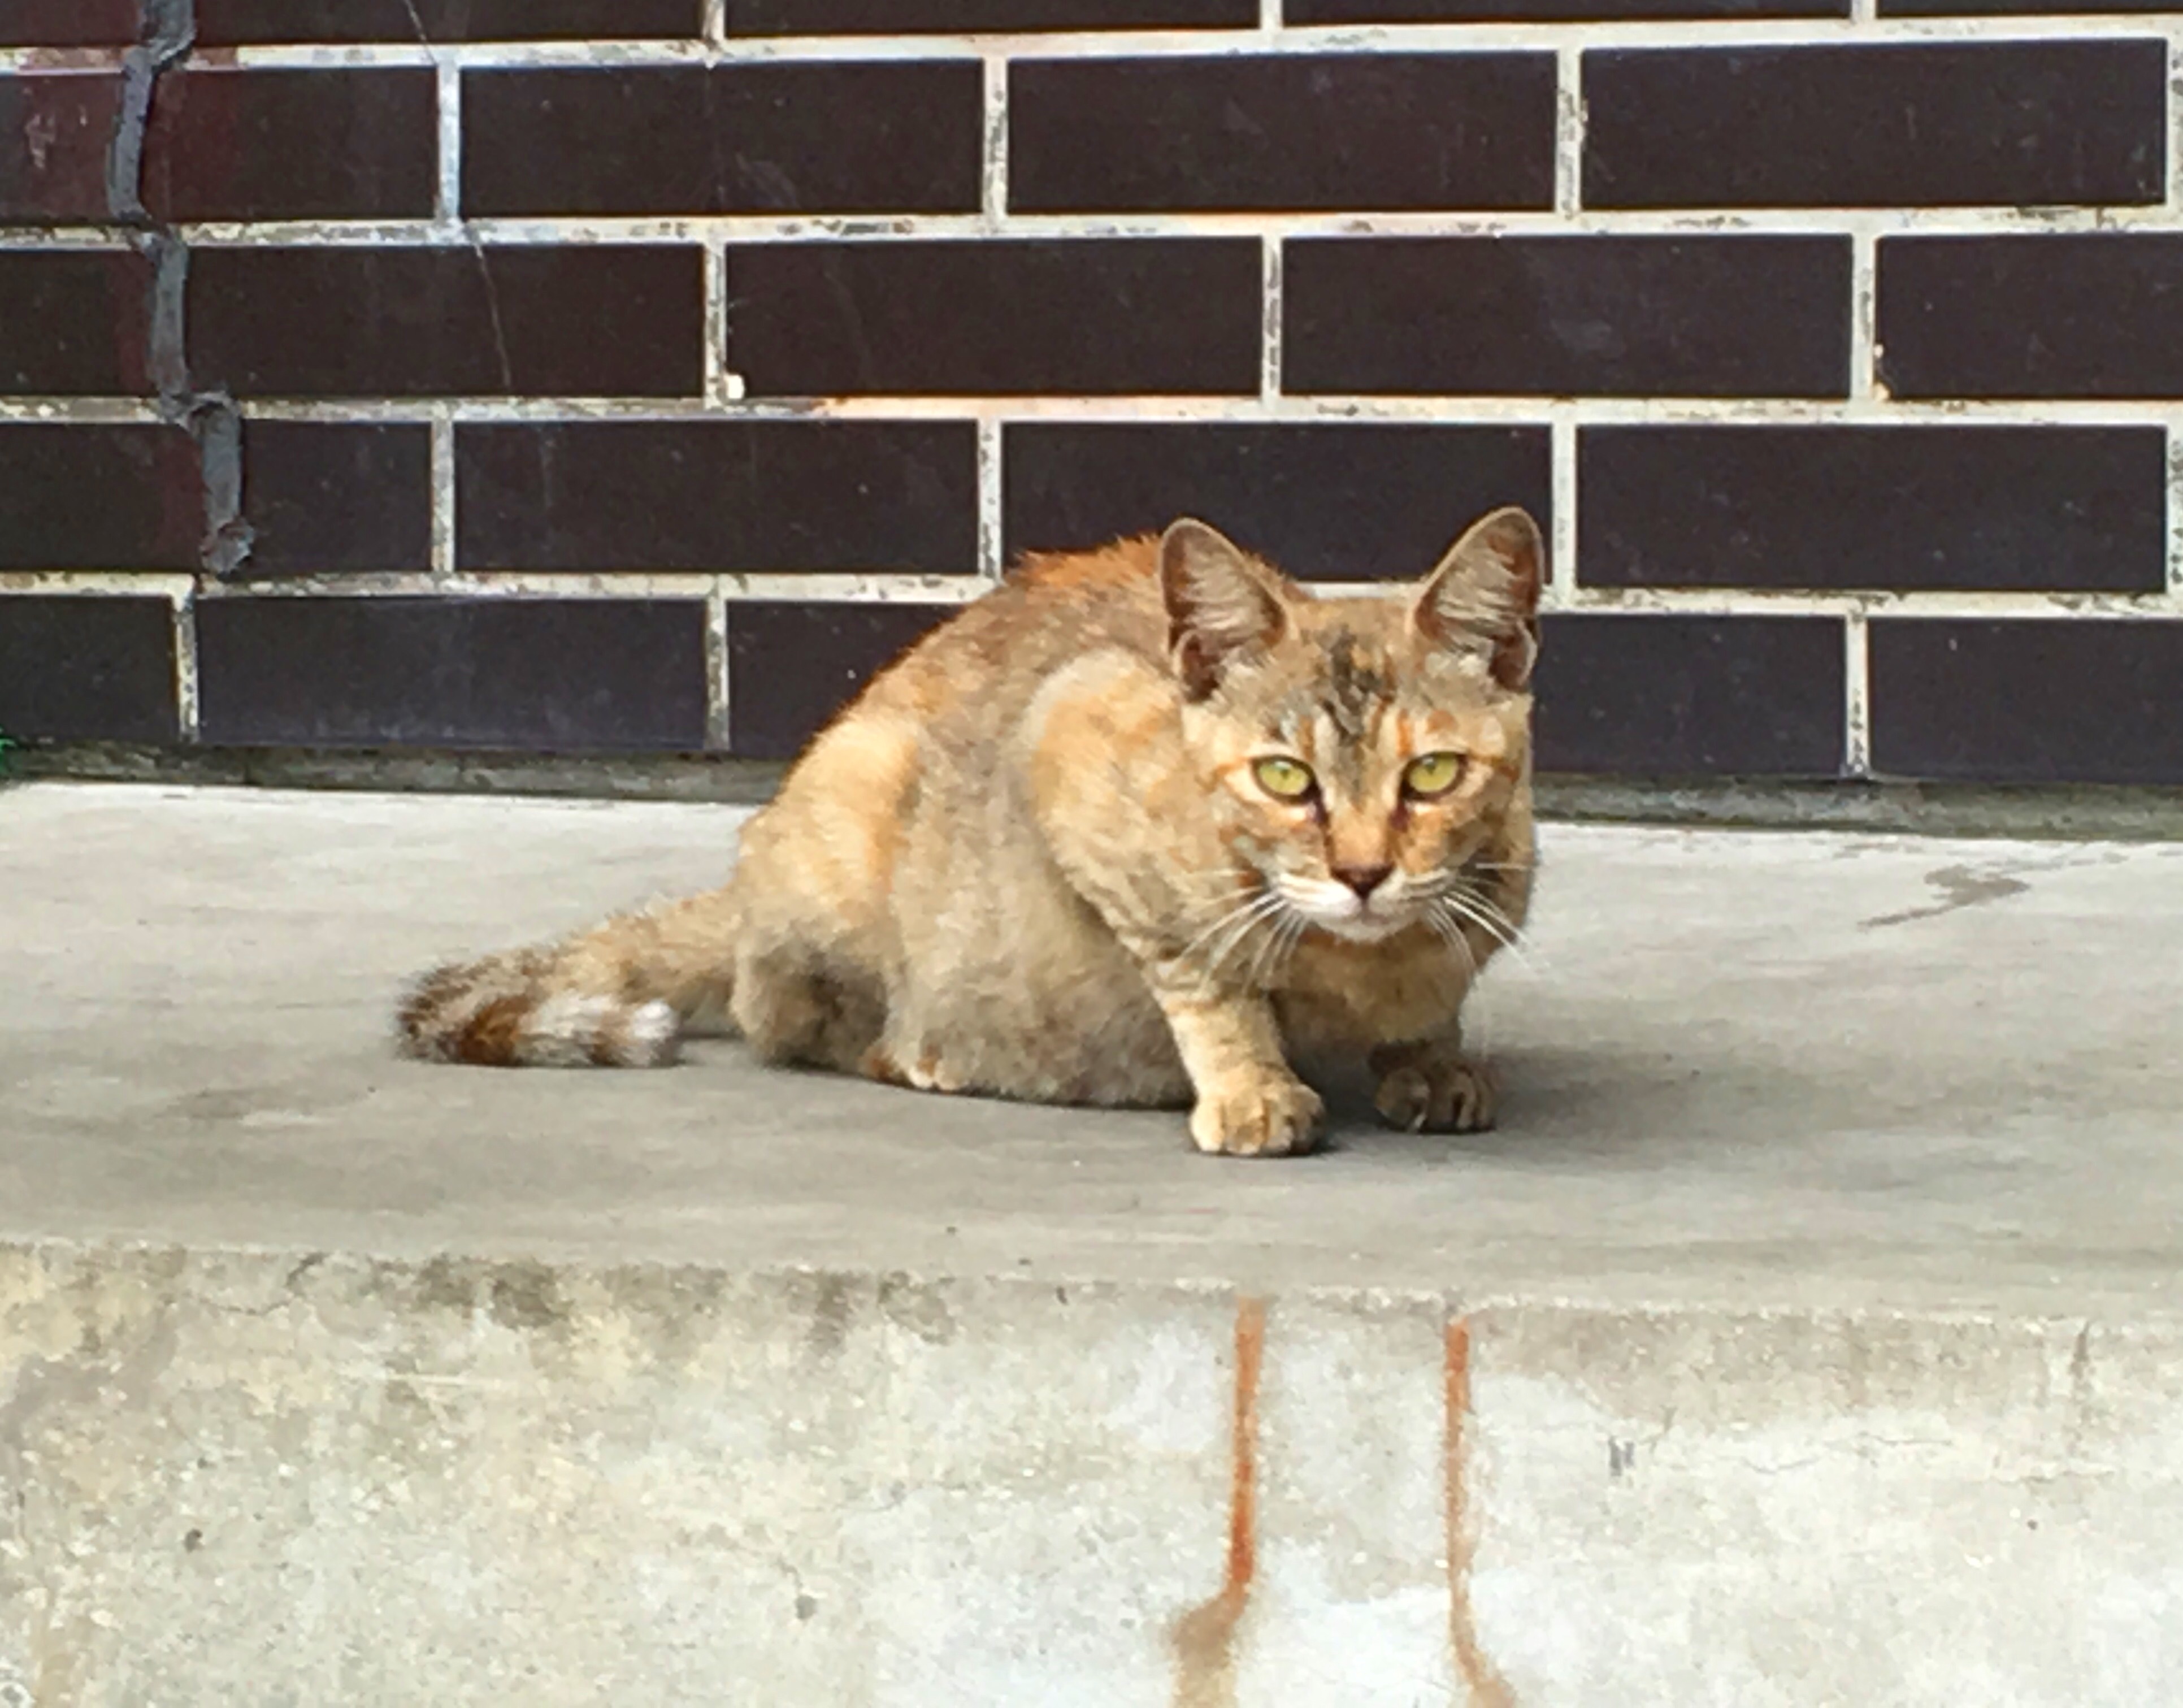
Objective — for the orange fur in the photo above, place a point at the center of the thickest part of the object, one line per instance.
(1039, 856)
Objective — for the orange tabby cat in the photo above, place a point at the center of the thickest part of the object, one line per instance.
(1133, 829)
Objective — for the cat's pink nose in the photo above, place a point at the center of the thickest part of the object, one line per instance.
(1364, 879)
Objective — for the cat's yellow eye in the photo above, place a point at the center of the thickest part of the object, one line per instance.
(1284, 780)
(1435, 774)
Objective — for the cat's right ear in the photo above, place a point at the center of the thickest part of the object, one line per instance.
(1221, 605)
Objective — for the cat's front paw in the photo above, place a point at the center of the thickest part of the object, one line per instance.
(1263, 1116)
(1445, 1096)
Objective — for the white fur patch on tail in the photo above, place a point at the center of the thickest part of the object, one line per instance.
(571, 1031)
(650, 1036)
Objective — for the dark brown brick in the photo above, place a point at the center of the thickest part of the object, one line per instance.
(99, 498)
(222, 23)
(593, 322)
(553, 675)
(600, 496)
(1347, 131)
(1905, 508)
(70, 23)
(1646, 695)
(883, 137)
(2077, 316)
(791, 667)
(911, 17)
(1547, 11)
(2028, 701)
(1937, 124)
(335, 498)
(293, 145)
(1709, 317)
(1167, 315)
(55, 127)
(73, 324)
(83, 668)
(320, 498)
(1339, 502)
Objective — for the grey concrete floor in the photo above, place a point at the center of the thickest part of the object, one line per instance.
(1749, 1070)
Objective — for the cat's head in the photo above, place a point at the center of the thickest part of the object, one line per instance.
(1360, 752)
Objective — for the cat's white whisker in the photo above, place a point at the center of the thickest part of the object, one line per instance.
(1229, 916)
(1476, 912)
(1450, 934)
(1281, 943)
(1487, 912)
(1469, 907)
(1248, 920)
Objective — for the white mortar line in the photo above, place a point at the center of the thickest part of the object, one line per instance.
(1254, 38)
(1857, 686)
(98, 411)
(716, 26)
(1863, 14)
(814, 586)
(876, 587)
(1569, 129)
(886, 587)
(993, 180)
(172, 586)
(2175, 515)
(719, 725)
(1434, 411)
(63, 237)
(447, 209)
(2173, 163)
(186, 667)
(1269, 18)
(1269, 328)
(992, 544)
(720, 392)
(648, 230)
(533, 584)
(443, 492)
(1748, 602)
(1562, 585)
(1290, 409)
(1864, 385)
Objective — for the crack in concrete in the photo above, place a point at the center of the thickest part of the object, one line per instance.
(1960, 887)
(167, 31)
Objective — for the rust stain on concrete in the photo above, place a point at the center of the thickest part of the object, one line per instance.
(1205, 1637)
(1481, 1685)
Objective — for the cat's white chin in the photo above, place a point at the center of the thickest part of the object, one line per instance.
(1338, 911)
(1361, 925)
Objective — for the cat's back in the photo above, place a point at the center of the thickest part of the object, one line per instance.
(978, 671)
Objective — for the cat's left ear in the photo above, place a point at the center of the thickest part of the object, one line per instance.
(1484, 597)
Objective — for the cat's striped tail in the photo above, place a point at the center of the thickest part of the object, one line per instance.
(621, 995)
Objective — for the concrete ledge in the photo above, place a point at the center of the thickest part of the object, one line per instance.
(265, 1478)
(1809, 1334)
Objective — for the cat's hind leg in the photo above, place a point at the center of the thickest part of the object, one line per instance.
(817, 872)
(798, 1006)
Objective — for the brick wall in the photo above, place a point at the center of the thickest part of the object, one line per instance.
(584, 375)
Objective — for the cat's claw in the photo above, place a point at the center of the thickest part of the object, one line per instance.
(1263, 1118)
(1438, 1097)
